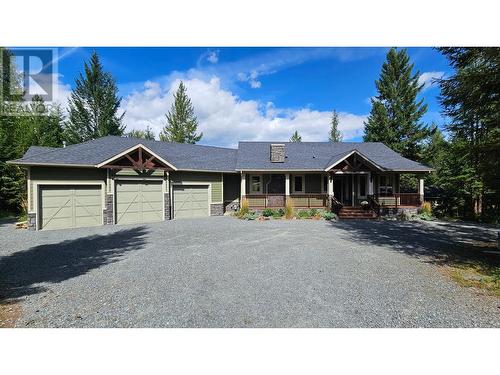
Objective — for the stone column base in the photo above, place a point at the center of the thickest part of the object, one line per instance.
(31, 221)
(216, 209)
(168, 214)
(108, 212)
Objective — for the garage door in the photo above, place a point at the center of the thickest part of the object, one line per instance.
(70, 206)
(190, 201)
(139, 202)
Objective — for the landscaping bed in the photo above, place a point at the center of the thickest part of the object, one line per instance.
(287, 213)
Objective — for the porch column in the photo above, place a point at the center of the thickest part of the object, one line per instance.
(353, 190)
(287, 184)
(421, 189)
(370, 184)
(330, 186)
(243, 186)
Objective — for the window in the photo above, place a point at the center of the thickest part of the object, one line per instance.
(298, 184)
(256, 184)
(325, 184)
(385, 185)
(362, 185)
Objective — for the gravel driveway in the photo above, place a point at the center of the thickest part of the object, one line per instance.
(222, 272)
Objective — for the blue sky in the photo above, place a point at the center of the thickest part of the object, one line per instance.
(252, 93)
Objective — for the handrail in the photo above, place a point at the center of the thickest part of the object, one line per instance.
(374, 204)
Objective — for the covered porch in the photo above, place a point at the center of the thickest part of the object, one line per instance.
(271, 190)
(348, 181)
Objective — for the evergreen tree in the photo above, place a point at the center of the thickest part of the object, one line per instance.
(11, 176)
(181, 122)
(335, 135)
(43, 126)
(144, 134)
(296, 137)
(93, 105)
(471, 98)
(396, 113)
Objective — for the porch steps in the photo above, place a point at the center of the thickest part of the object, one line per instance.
(347, 212)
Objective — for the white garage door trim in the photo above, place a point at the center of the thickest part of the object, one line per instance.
(174, 184)
(38, 184)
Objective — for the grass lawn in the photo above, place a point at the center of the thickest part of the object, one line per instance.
(477, 275)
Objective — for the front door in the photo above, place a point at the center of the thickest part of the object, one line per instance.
(342, 188)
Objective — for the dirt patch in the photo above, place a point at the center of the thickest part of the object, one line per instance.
(10, 312)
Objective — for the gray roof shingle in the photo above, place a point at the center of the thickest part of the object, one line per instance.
(314, 156)
(320, 155)
(182, 156)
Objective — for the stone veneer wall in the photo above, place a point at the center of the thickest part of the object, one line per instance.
(32, 221)
(216, 209)
(108, 212)
(168, 214)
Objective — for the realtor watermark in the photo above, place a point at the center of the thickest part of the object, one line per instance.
(27, 81)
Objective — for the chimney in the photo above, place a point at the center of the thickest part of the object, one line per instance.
(277, 153)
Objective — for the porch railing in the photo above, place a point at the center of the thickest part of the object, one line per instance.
(309, 200)
(399, 199)
(260, 201)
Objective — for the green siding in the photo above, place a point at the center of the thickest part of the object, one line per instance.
(215, 179)
(67, 174)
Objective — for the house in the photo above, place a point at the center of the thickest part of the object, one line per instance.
(117, 180)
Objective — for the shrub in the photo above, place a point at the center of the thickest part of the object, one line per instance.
(250, 216)
(329, 216)
(278, 213)
(267, 212)
(313, 212)
(289, 209)
(244, 208)
(426, 208)
(304, 214)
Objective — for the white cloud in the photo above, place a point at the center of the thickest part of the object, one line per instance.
(213, 57)
(428, 79)
(225, 119)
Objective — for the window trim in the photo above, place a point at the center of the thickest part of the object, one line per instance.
(303, 191)
(261, 185)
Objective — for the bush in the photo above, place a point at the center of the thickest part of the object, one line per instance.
(278, 213)
(289, 209)
(313, 212)
(250, 216)
(329, 216)
(426, 208)
(267, 212)
(304, 214)
(244, 208)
